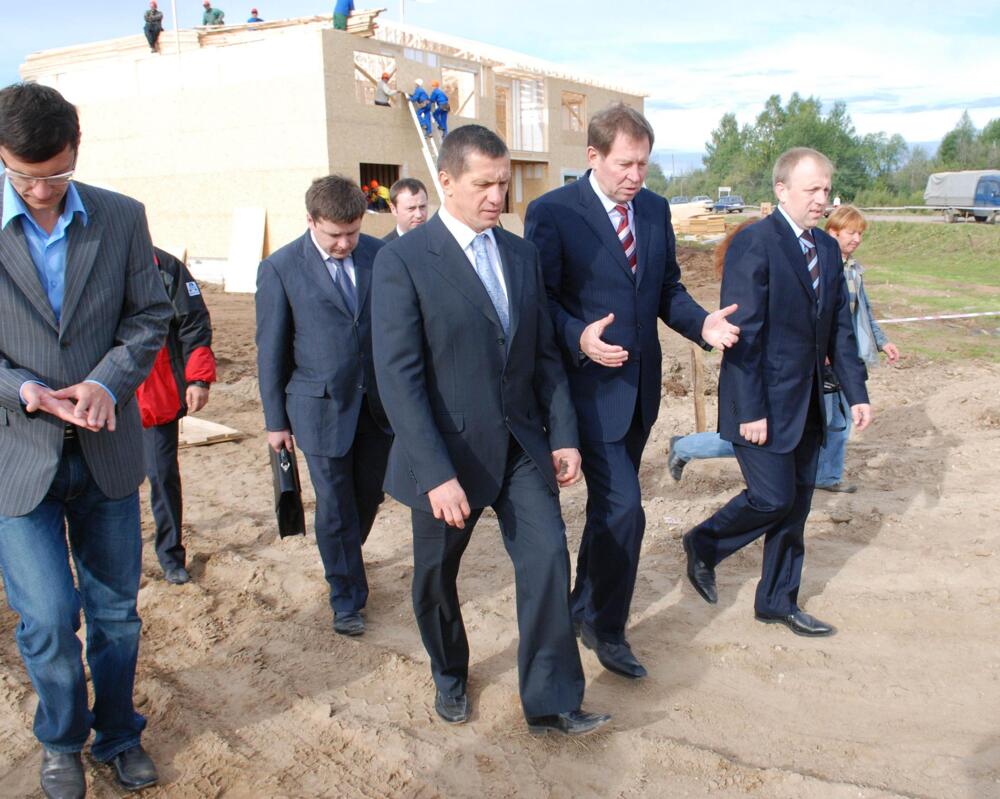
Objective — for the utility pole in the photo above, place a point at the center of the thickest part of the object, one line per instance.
(402, 10)
(177, 26)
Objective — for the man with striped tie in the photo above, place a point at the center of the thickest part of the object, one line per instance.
(608, 256)
(794, 313)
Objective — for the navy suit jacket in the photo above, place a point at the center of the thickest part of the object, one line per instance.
(455, 387)
(775, 370)
(314, 359)
(587, 276)
(392, 235)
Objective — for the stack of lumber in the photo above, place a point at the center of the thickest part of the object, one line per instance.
(362, 23)
(700, 225)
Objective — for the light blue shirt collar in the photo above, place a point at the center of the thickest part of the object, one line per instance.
(13, 206)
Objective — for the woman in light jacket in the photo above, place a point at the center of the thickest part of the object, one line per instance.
(847, 225)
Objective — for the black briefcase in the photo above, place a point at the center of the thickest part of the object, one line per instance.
(287, 493)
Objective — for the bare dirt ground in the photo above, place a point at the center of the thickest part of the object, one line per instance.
(250, 694)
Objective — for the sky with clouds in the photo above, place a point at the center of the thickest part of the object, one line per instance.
(910, 67)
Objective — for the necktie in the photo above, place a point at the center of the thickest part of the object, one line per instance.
(344, 284)
(808, 245)
(626, 238)
(490, 280)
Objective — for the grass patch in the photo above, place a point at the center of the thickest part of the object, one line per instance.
(915, 269)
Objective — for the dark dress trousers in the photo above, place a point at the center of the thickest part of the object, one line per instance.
(775, 372)
(316, 378)
(468, 401)
(587, 277)
(188, 347)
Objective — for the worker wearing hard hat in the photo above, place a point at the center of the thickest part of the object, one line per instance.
(422, 103)
(441, 107)
(378, 196)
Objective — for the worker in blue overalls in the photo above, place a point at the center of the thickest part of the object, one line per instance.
(441, 108)
(422, 102)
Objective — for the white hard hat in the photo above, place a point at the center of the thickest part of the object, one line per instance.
(420, 81)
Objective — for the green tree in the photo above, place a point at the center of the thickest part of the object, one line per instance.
(656, 180)
(957, 149)
(726, 148)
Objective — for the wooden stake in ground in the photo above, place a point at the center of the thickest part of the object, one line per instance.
(698, 387)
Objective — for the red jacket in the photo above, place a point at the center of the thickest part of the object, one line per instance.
(186, 356)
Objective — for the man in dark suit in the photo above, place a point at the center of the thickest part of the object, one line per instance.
(480, 406)
(82, 315)
(317, 383)
(794, 314)
(608, 255)
(408, 204)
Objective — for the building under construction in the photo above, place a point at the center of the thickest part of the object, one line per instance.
(225, 128)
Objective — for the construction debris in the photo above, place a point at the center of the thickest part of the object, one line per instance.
(195, 432)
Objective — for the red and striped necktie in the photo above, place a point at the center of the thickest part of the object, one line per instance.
(626, 238)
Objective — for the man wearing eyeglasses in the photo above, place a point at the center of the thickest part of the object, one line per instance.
(82, 315)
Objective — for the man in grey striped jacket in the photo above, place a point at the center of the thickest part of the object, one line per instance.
(82, 315)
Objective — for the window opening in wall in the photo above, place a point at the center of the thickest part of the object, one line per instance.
(420, 56)
(574, 111)
(460, 86)
(502, 96)
(385, 175)
(368, 69)
(529, 115)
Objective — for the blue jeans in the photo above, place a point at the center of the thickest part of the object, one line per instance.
(700, 446)
(838, 430)
(106, 544)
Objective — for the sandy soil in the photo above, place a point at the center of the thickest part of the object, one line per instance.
(250, 694)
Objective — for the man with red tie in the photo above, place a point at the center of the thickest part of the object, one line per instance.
(608, 256)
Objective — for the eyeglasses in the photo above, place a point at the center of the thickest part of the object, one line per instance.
(24, 182)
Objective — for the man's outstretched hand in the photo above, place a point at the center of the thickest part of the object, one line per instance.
(717, 330)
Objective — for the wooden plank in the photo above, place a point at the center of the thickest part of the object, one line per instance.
(195, 432)
(246, 247)
(698, 386)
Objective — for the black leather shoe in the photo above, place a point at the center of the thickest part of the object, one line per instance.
(134, 769)
(701, 575)
(800, 623)
(177, 575)
(674, 464)
(614, 657)
(62, 775)
(838, 488)
(348, 623)
(576, 722)
(453, 709)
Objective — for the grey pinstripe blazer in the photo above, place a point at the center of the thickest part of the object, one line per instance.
(114, 319)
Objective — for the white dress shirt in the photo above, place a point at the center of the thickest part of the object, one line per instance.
(347, 263)
(464, 235)
(609, 206)
(798, 231)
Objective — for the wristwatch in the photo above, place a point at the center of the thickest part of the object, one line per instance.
(198, 383)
